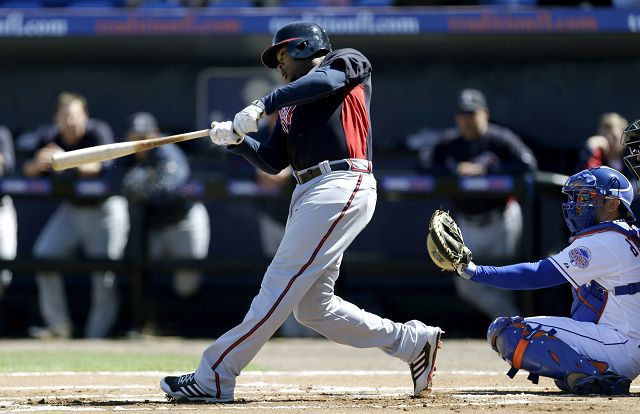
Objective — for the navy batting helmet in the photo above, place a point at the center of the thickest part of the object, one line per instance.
(302, 39)
(587, 190)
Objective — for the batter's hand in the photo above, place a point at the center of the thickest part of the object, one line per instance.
(221, 133)
(246, 120)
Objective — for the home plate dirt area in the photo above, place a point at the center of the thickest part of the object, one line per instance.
(299, 376)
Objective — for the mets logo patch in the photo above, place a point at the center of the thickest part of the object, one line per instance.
(580, 257)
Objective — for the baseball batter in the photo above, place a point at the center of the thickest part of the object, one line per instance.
(324, 133)
(597, 350)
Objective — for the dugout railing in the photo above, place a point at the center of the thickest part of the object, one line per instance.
(392, 187)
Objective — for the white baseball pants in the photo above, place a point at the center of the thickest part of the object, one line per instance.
(325, 216)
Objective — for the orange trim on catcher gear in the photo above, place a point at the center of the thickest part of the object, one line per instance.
(601, 366)
(519, 353)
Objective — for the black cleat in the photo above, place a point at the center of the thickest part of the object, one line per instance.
(185, 388)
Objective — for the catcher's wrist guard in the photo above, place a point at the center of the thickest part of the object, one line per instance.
(445, 243)
(466, 270)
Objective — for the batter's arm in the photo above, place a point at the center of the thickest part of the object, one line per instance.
(271, 156)
(345, 69)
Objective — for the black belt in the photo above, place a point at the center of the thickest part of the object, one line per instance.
(313, 172)
(338, 165)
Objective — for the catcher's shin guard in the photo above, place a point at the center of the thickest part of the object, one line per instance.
(543, 354)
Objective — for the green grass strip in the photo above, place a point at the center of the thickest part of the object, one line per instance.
(82, 361)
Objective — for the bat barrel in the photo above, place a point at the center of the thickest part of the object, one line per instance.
(99, 153)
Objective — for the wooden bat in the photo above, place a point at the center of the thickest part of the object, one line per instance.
(71, 159)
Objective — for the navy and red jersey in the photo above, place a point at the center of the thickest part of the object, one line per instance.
(324, 115)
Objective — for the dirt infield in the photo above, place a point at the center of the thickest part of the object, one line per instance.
(301, 376)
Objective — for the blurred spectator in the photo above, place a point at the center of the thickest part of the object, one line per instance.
(8, 220)
(604, 148)
(626, 4)
(492, 226)
(177, 227)
(100, 227)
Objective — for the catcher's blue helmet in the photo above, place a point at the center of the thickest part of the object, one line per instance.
(302, 39)
(587, 190)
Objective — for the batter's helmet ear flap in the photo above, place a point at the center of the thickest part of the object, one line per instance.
(303, 40)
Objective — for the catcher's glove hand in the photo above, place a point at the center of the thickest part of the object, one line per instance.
(445, 244)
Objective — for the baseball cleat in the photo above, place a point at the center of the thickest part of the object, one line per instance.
(185, 388)
(424, 366)
(607, 383)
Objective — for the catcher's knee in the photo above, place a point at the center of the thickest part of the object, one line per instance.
(529, 347)
(496, 330)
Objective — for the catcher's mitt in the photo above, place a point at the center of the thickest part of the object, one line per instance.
(445, 244)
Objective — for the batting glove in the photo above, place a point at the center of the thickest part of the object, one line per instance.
(246, 120)
(221, 133)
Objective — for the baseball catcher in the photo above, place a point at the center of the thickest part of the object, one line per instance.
(445, 243)
(596, 350)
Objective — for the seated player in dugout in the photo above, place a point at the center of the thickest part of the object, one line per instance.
(597, 349)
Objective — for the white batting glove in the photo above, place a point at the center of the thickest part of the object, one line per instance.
(246, 120)
(221, 133)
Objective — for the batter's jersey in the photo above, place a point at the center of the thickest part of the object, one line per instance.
(324, 115)
(609, 256)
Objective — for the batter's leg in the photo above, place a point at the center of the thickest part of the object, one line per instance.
(327, 214)
(345, 323)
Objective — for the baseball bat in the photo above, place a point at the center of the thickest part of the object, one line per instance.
(97, 153)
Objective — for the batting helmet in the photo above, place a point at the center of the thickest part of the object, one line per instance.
(303, 40)
(631, 140)
(587, 190)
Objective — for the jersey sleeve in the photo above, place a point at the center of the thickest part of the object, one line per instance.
(270, 156)
(337, 71)
(519, 276)
(586, 259)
